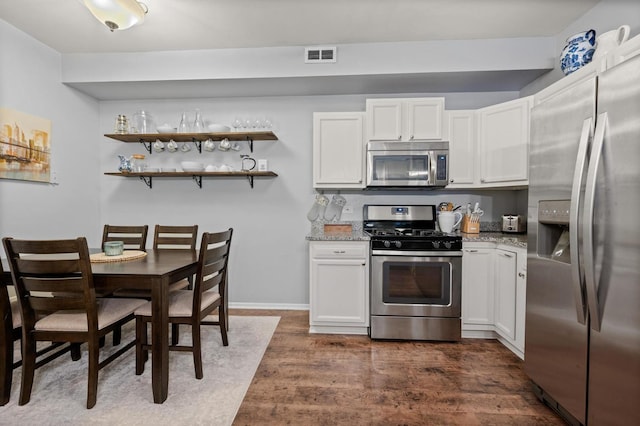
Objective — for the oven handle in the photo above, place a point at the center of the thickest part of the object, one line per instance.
(416, 253)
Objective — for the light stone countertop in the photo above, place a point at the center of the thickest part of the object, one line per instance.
(317, 232)
(516, 240)
(357, 234)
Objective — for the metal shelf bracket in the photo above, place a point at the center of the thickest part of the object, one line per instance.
(147, 146)
(198, 144)
(250, 140)
(148, 180)
(250, 181)
(198, 180)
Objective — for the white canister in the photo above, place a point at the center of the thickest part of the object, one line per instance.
(263, 165)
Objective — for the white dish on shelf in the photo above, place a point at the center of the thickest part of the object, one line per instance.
(169, 169)
(192, 166)
(218, 128)
(166, 128)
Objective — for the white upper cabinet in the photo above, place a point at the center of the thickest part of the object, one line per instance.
(405, 120)
(504, 143)
(461, 132)
(338, 150)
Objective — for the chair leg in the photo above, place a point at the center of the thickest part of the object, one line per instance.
(222, 319)
(197, 350)
(175, 334)
(117, 336)
(141, 339)
(75, 352)
(92, 389)
(6, 371)
(28, 369)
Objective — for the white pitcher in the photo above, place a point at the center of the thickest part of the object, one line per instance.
(447, 220)
(610, 40)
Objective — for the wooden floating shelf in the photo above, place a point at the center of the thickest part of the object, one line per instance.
(147, 177)
(147, 139)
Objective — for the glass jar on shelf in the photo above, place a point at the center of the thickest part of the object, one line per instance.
(138, 165)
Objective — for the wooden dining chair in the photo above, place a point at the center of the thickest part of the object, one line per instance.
(10, 332)
(168, 237)
(133, 237)
(191, 307)
(40, 268)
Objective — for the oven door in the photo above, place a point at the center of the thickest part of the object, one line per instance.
(416, 284)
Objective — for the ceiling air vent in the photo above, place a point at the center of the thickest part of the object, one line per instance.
(319, 55)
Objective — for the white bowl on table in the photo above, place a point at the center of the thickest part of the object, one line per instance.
(192, 166)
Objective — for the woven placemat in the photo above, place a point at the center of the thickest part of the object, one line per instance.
(126, 255)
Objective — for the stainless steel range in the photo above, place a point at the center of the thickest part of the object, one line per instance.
(415, 274)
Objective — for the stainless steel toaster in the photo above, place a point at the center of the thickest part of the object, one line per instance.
(514, 223)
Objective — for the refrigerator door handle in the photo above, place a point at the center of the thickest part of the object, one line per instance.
(589, 203)
(577, 274)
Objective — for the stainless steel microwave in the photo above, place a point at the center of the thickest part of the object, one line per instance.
(407, 164)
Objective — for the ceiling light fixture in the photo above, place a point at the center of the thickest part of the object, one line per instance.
(117, 14)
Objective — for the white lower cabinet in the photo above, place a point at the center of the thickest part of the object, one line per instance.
(494, 292)
(478, 287)
(339, 287)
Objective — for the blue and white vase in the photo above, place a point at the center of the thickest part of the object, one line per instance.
(578, 52)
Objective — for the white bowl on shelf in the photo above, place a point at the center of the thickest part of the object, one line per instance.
(192, 166)
(166, 128)
(218, 128)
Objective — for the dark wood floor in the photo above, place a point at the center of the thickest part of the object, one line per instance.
(312, 379)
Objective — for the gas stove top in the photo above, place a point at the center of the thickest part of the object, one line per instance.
(409, 228)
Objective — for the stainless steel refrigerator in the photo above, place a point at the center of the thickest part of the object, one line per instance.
(582, 342)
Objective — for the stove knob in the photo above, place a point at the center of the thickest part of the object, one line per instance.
(435, 244)
(447, 244)
(387, 244)
(398, 244)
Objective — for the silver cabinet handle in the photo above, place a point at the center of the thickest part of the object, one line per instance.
(577, 275)
(506, 255)
(339, 251)
(520, 274)
(471, 251)
(451, 180)
(587, 225)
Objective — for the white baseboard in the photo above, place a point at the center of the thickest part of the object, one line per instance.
(269, 306)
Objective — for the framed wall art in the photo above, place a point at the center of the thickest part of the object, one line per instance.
(25, 146)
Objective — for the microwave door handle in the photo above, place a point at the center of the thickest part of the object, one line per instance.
(577, 274)
(589, 203)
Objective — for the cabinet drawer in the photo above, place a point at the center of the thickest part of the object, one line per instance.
(322, 250)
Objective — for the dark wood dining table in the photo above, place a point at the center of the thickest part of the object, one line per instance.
(154, 272)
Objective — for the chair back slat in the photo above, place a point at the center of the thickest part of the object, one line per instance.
(54, 285)
(133, 237)
(212, 264)
(52, 304)
(175, 237)
(34, 265)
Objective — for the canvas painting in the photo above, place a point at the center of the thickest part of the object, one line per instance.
(25, 146)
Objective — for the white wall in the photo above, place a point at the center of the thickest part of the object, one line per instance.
(605, 16)
(30, 83)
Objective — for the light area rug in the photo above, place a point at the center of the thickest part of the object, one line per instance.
(60, 388)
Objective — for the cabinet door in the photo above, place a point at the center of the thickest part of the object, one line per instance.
(423, 119)
(384, 119)
(462, 148)
(477, 286)
(505, 307)
(338, 293)
(504, 142)
(338, 150)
